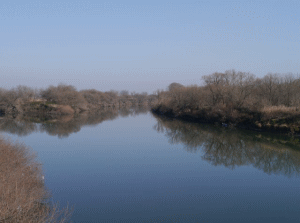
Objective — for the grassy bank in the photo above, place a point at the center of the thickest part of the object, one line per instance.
(24, 197)
(271, 103)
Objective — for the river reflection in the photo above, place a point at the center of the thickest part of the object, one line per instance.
(272, 154)
(123, 171)
(63, 126)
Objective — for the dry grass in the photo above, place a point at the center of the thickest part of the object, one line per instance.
(24, 197)
(281, 109)
(280, 112)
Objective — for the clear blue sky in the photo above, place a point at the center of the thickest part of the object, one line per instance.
(144, 45)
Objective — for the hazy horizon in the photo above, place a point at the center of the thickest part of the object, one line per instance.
(144, 46)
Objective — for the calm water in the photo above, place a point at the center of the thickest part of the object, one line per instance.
(134, 167)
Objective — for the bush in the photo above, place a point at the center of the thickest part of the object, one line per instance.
(24, 197)
(64, 95)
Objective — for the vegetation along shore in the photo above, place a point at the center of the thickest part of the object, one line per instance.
(65, 100)
(232, 98)
(270, 103)
(24, 197)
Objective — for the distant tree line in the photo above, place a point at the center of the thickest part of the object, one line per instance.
(232, 97)
(237, 98)
(66, 99)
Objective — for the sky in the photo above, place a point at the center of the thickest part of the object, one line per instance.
(143, 46)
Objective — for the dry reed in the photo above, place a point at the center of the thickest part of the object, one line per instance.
(24, 197)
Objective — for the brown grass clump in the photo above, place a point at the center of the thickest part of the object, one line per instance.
(24, 197)
(277, 110)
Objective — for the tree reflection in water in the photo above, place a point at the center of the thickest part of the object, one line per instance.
(24, 197)
(63, 126)
(274, 154)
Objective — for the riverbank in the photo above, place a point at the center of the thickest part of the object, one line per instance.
(24, 197)
(276, 119)
(66, 100)
(270, 103)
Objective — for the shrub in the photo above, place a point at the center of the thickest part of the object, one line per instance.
(23, 196)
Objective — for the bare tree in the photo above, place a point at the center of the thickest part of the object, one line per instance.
(63, 94)
(124, 93)
(269, 88)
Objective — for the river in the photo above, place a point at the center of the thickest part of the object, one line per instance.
(133, 166)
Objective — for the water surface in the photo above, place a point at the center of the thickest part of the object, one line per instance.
(132, 166)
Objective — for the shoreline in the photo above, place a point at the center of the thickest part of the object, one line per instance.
(252, 126)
